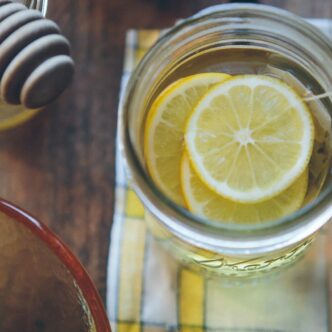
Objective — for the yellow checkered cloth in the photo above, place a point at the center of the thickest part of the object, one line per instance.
(149, 291)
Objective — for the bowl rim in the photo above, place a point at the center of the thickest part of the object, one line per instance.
(65, 255)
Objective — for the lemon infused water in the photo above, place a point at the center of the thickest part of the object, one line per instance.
(210, 227)
(245, 60)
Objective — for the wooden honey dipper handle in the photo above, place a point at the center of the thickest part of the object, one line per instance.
(35, 66)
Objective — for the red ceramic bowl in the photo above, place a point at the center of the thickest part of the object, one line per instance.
(43, 287)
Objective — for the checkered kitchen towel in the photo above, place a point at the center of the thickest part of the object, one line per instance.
(149, 291)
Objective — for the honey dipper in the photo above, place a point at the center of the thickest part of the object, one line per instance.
(35, 66)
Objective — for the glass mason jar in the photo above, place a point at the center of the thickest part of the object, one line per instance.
(13, 115)
(234, 38)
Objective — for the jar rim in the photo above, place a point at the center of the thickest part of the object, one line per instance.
(45, 7)
(199, 230)
(270, 12)
(40, 5)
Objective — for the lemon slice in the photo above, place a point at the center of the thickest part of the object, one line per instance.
(164, 129)
(205, 203)
(250, 138)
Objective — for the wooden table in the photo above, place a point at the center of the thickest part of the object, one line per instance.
(60, 166)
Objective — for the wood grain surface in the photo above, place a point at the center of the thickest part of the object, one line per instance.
(60, 166)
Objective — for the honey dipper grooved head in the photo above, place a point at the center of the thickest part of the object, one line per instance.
(4, 2)
(34, 63)
(16, 20)
(47, 81)
(23, 37)
(9, 9)
(26, 61)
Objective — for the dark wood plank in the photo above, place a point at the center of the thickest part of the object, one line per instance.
(60, 166)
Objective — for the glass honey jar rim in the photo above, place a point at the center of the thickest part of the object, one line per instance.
(40, 5)
(180, 221)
